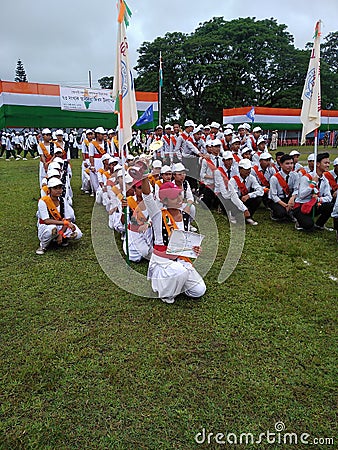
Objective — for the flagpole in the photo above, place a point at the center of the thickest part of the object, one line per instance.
(121, 141)
(315, 151)
(160, 92)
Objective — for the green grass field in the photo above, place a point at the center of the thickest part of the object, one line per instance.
(85, 365)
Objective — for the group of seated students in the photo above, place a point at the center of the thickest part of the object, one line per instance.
(237, 180)
(55, 215)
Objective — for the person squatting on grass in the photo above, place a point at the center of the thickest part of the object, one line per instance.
(55, 218)
(169, 275)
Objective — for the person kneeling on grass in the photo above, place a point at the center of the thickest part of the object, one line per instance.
(314, 197)
(55, 218)
(169, 275)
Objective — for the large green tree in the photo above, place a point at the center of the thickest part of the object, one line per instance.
(225, 64)
(329, 70)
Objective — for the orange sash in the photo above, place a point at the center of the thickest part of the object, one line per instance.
(47, 155)
(52, 208)
(243, 189)
(283, 184)
(261, 177)
(236, 157)
(105, 173)
(331, 180)
(64, 154)
(137, 212)
(99, 148)
(170, 225)
(302, 171)
(174, 140)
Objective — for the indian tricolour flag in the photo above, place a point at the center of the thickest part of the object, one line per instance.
(124, 89)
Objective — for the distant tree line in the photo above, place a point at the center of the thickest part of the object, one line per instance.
(225, 64)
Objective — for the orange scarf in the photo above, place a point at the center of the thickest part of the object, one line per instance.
(52, 208)
(283, 184)
(170, 225)
(137, 213)
(99, 148)
(47, 155)
(243, 189)
(331, 180)
(64, 154)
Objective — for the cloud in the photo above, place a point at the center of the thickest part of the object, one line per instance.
(61, 41)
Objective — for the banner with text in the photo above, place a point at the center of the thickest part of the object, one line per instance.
(83, 99)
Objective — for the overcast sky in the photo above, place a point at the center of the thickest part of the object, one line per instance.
(60, 41)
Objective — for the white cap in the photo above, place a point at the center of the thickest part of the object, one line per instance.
(111, 131)
(89, 131)
(265, 155)
(227, 131)
(244, 164)
(117, 167)
(216, 142)
(168, 127)
(100, 130)
(127, 177)
(335, 162)
(196, 130)
(311, 157)
(130, 157)
(215, 125)
(156, 164)
(247, 126)
(53, 173)
(260, 140)
(105, 156)
(294, 152)
(228, 155)
(46, 131)
(179, 167)
(235, 139)
(229, 125)
(257, 130)
(59, 133)
(245, 149)
(241, 126)
(189, 123)
(52, 182)
(165, 169)
(112, 160)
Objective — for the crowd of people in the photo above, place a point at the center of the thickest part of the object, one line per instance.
(231, 171)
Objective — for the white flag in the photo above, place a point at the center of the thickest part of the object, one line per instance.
(124, 87)
(310, 115)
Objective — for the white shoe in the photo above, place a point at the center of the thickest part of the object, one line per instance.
(37, 157)
(194, 229)
(17, 159)
(40, 250)
(24, 159)
(251, 222)
(168, 299)
(298, 227)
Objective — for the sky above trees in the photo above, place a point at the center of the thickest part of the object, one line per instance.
(60, 42)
